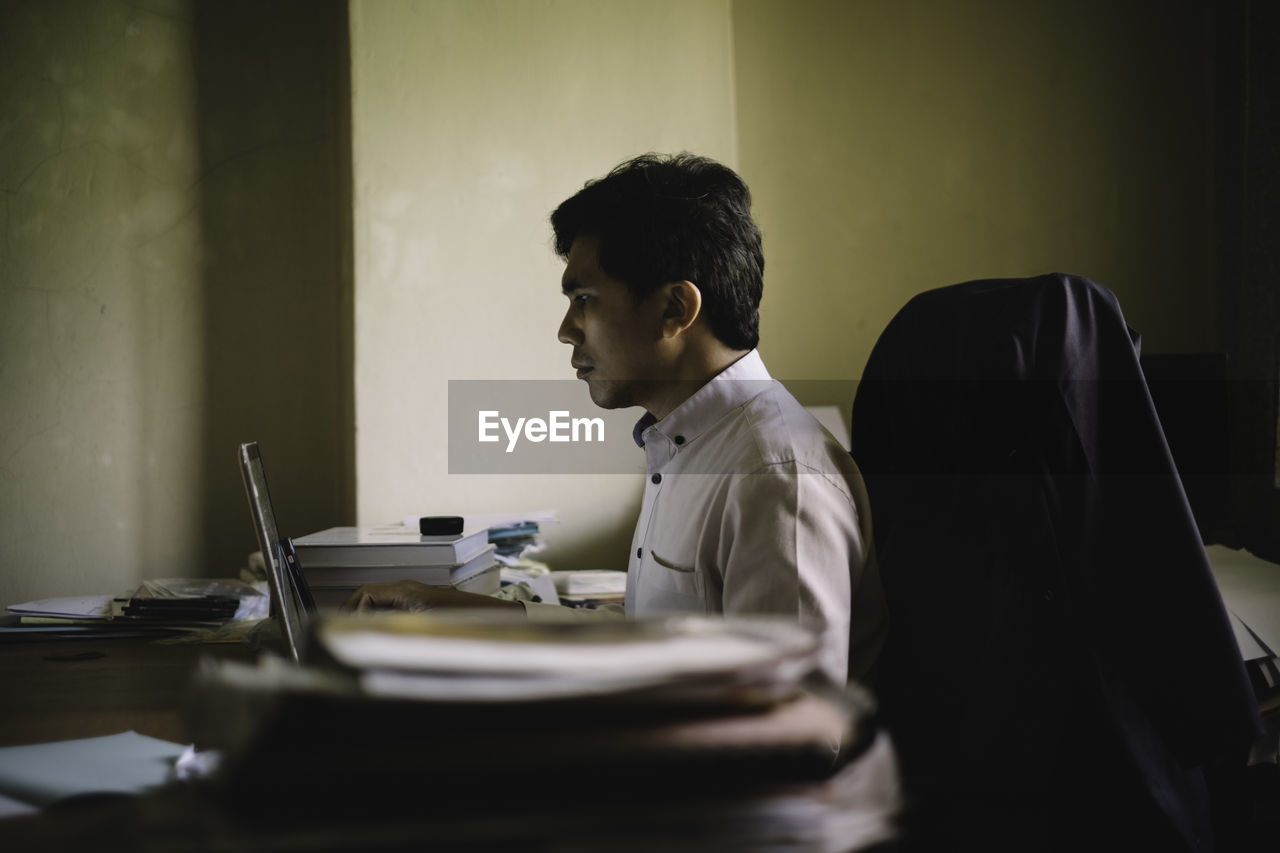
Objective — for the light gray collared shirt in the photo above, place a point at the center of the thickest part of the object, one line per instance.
(751, 507)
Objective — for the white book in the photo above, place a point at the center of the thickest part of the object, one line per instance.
(354, 576)
(394, 545)
(485, 582)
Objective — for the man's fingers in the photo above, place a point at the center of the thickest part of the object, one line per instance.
(394, 595)
(360, 601)
(416, 597)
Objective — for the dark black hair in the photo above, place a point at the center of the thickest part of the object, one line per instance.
(659, 219)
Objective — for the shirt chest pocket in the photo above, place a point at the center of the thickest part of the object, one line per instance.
(669, 580)
(668, 586)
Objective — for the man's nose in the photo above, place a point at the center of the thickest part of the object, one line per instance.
(569, 333)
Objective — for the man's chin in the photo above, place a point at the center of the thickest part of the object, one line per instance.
(608, 396)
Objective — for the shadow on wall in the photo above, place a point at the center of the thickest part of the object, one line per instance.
(273, 114)
(1248, 219)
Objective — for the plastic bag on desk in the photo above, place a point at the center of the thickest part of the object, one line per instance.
(253, 601)
(195, 588)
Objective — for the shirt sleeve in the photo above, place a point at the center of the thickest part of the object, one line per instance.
(790, 544)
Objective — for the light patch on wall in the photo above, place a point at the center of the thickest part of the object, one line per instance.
(98, 344)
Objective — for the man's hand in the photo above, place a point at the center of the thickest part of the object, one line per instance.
(416, 596)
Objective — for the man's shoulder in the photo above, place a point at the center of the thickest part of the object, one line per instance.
(782, 431)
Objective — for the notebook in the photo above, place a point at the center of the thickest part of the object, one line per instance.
(290, 596)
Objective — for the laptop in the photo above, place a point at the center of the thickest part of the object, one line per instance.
(290, 596)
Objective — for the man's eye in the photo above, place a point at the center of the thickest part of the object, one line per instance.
(579, 298)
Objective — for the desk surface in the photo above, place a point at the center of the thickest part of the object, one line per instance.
(63, 689)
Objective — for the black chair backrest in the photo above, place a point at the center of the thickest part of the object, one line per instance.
(1051, 605)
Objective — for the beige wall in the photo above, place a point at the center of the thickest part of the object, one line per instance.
(165, 164)
(100, 305)
(472, 121)
(891, 147)
(165, 167)
(897, 147)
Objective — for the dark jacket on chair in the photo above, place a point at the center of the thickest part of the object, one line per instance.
(1058, 655)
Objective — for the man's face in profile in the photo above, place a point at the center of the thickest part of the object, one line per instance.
(614, 339)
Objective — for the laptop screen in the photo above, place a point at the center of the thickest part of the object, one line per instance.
(289, 592)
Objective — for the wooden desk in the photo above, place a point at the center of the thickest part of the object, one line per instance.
(63, 689)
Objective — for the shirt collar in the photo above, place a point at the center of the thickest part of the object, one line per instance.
(637, 432)
(727, 390)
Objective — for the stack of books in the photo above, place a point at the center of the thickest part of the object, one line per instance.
(336, 561)
(477, 732)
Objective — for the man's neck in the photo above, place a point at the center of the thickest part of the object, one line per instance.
(694, 371)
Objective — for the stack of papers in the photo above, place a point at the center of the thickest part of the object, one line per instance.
(713, 729)
(1250, 589)
(80, 607)
(468, 657)
(590, 588)
(161, 606)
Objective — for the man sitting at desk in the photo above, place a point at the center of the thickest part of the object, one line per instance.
(750, 507)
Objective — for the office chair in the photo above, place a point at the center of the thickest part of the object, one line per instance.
(1059, 672)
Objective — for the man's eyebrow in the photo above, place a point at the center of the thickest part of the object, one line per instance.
(567, 287)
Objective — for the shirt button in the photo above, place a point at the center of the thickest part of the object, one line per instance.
(679, 439)
(656, 478)
(639, 553)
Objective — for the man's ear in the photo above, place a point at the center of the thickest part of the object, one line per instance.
(682, 304)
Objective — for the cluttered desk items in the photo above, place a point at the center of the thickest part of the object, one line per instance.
(497, 735)
(404, 717)
(474, 730)
(160, 607)
(484, 555)
(319, 570)
(478, 553)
